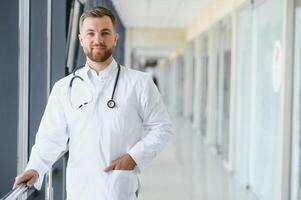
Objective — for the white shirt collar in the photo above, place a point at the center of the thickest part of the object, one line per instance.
(102, 74)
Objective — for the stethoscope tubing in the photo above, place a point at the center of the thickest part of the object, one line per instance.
(111, 103)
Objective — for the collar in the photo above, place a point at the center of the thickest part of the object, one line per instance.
(104, 73)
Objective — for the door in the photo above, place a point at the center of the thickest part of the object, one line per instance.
(243, 96)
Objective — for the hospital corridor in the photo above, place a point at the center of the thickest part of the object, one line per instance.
(189, 170)
(150, 100)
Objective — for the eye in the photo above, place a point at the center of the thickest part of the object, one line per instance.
(105, 33)
(90, 33)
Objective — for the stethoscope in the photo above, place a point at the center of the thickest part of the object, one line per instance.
(111, 103)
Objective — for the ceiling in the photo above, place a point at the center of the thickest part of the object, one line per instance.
(158, 13)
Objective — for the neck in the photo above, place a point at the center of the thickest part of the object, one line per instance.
(99, 66)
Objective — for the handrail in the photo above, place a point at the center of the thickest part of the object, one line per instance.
(23, 188)
(18, 192)
(62, 154)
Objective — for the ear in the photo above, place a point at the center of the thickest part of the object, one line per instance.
(80, 39)
(116, 39)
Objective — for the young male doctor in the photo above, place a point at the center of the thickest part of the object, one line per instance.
(109, 142)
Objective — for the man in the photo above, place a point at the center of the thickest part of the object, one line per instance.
(108, 145)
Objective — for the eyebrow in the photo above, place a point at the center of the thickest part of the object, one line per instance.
(89, 30)
(105, 29)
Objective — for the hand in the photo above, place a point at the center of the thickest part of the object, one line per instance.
(125, 162)
(29, 177)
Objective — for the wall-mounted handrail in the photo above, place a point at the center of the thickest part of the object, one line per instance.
(23, 189)
(18, 192)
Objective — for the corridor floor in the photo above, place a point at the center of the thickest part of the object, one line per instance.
(188, 170)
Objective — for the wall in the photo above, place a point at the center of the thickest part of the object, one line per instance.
(211, 14)
(8, 93)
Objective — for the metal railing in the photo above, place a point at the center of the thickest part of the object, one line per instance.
(19, 191)
(23, 190)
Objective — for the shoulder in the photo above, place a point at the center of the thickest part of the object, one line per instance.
(135, 75)
(62, 85)
(63, 82)
(142, 82)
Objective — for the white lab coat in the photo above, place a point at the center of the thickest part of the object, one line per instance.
(139, 125)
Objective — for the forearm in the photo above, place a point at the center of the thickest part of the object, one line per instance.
(145, 150)
(43, 155)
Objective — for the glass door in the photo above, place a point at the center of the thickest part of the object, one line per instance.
(204, 86)
(243, 96)
(223, 72)
(265, 135)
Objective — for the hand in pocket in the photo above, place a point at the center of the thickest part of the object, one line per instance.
(123, 185)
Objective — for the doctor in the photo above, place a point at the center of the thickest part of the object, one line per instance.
(109, 143)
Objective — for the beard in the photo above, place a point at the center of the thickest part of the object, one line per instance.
(99, 56)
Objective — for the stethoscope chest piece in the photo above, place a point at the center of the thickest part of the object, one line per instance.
(111, 103)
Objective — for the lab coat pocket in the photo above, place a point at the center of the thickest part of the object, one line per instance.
(123, 185)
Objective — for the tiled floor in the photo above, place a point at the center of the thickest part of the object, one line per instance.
(188, 170)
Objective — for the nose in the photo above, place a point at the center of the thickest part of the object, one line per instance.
(98, 39)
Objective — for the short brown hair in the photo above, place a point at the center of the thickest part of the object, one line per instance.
(96, 12)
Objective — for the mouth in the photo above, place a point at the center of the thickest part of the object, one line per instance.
(99, 47)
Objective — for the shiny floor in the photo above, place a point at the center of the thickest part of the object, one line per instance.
(189, 170)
